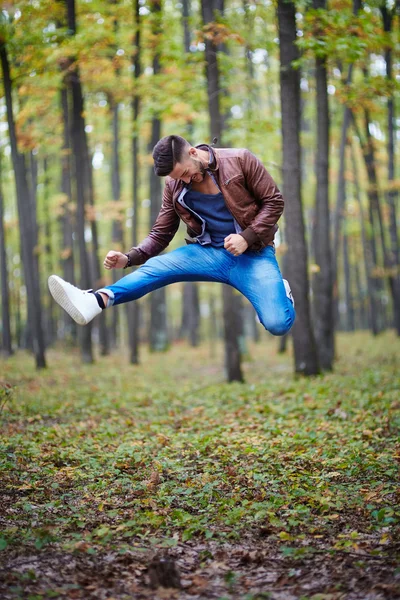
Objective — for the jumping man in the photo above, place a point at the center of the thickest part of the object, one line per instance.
(230, 205)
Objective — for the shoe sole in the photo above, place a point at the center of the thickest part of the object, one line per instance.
(61, 297)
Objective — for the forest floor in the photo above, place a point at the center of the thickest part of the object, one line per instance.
(162, 481)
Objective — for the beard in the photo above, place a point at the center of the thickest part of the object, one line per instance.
(200, 171)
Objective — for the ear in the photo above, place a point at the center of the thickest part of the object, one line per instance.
(193, 152)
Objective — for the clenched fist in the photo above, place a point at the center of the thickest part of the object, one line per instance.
(235, 244)
(115, 260)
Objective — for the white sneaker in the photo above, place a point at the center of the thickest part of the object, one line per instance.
(81, 305)
(288, 290)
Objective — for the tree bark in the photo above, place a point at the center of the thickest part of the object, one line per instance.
(185, 23)
(117, 231)
(209, 9)
(67, 218)
(80, 163)
(367, 251)
(96, 269)
(340, 196)
(190, 300)
(132, 308)
(377, 237)
(341, 193)
(232, 348)
(158, 334)
(190, 313)
(6, 345)
(305, 352)
(349, 320)
(51, 321)
(26, 226)
(323, 317)
(392, 194)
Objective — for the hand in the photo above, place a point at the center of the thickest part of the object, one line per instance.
(235, 244)
(115, 260)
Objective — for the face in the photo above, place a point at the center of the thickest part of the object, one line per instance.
(190, 170)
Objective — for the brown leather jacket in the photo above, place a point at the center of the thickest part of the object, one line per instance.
(250, 194)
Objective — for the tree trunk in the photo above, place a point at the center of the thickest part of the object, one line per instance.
(6, 345)
(379, 250)
(158, 334)
(186, 25)
(26, 226)
(80, 162)
(361, 314)
(67, 218)
(341, 193)
(132, 308)
(349, 320)
(367, 250)
(340, 197)
(232, 348)
(51, 321)
(209, 9)
(322, 280)
(305, 353)
(117, 231)
(190, 301)
(392, 194)
(190, 313)
(96, 269)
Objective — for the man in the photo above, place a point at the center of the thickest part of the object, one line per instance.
(230, 205)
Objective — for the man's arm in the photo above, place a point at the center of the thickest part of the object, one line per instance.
(162, 232)
(266, 193)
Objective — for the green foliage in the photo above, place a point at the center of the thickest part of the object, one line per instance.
(104, 456)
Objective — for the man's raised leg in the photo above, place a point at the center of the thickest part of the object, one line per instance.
(189, 263)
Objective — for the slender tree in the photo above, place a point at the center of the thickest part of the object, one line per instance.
(305, 351)
(117, 230)
(134, 307)
(190, 300)
(230, 313)
(340, 195)
(322, 280)
(158, 334)
(367, 251)
(79, 163)
(27, 229)
(67, 221)
(5, 299)
(349, 322)
(48, 254)
(392, 193)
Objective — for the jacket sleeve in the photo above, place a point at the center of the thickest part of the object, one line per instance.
(267, 195)
(162, 232)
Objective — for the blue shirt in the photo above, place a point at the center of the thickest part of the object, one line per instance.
(212, 209)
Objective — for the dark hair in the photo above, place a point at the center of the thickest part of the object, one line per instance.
(167, 152)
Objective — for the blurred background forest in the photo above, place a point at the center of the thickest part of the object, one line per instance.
(89, 86)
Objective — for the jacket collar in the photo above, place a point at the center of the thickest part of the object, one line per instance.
(212, 160)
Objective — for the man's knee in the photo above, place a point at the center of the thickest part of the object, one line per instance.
(277, 327)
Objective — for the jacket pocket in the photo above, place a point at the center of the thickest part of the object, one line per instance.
(234, 178)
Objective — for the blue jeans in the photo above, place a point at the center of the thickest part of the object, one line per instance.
(255, 274)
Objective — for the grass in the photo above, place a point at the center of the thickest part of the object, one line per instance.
(251, 489)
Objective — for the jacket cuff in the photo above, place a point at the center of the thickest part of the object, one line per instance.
(250, 236)
(135, 257)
